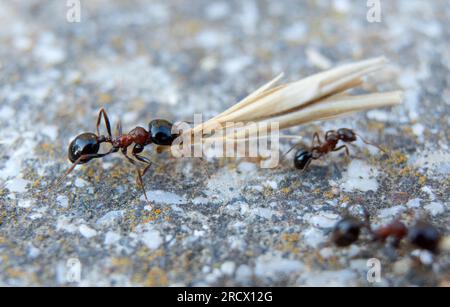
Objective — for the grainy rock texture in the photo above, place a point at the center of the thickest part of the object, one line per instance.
(242, 225)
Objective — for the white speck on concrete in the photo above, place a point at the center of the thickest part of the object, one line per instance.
(62, 201)
(111, 237)
(50, 131)
(391, 212)
(418, 129)
(265, 213)
(64, 223)
(271, 184)
(235, 65)
(326, 252)
(342, 6)
(48, 51)
(437, 162)
(435, 208)
(274, 265)
(228, 268)
(360, 176)
(339, 278)
(86, 231)
(313, 237)
(217, 10)
(33, 252)
(151, 238)
(80, 183)
(35, 216)
(413, 203)
(17, 185)
(244, 273)
(110, 218)
(323, 220)
(295, 32)
(426, 257)
(163, 197)
(429, 191)
(25, 203)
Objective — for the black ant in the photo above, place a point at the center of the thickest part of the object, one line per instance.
(85, 146)
(303, 158)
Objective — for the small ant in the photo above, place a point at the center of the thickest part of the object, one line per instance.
(422, 235)
(85, 146)
(303, 158)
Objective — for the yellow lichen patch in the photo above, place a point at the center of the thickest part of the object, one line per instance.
(329, 194)
(289, 243)
(2, 240)
(156, 277)
(375, 126)
(286, 190)
(422, 180)
(405, 171)
(36, 183)
(398, 158)
(121, 262)
(344, 199)
(14, 273)
(104, 98)
(153, 215)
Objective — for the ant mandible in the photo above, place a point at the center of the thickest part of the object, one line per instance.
(85, 146)
(303, 158)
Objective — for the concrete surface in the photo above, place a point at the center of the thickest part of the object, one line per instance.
(243, 225)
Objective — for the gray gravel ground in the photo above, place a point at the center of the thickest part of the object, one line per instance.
(243, 225)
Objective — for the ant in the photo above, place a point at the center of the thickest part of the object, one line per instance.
(303, 158)
(422, 235)
(85, 146)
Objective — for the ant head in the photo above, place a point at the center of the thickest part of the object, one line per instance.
(161, 132)
(84, 144)
(346, 231)
(302, 159)
(346, 135)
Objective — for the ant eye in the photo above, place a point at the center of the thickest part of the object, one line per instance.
(83, 144)
(302, 159)
(161, 132)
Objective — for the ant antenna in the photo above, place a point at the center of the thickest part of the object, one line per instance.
(370, 143)
(290, 149)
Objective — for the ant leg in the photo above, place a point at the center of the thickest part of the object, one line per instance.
(119, 129)
(306, 165)
(347, 152)
(78, 161)
(290, 149)
(317, 137)
(144, 160)
(101, 113)
(139, 176)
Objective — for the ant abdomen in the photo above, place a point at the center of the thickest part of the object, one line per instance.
(302, 159)
(84, 144)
